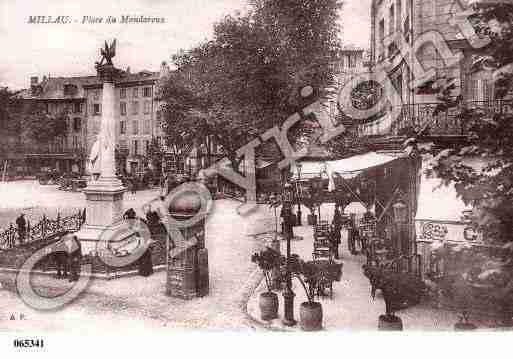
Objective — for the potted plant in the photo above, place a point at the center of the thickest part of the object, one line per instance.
(267, 260)
(310, 276)
(389, 284)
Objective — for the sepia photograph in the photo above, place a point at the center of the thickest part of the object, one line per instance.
(277, 168)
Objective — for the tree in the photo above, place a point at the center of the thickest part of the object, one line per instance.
(248, 78)
(488, 189)
(486, 184)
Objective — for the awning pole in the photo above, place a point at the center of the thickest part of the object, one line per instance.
(389, 203)
(354, 194)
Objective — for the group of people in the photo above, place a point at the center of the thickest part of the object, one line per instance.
(144, 263)
(68, 257)
(353, 233)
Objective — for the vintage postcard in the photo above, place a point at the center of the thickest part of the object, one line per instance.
(262, 166)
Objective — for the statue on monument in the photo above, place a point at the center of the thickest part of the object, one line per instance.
(108, 52)
(105, 138)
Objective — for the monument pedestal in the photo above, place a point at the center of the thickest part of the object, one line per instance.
(104, 212)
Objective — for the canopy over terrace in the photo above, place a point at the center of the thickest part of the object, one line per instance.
(375, 179)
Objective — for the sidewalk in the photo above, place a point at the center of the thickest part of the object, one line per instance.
(352, 307)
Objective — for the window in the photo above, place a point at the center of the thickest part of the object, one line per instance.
(135, 92)
(77, 107)
(135, 147)
(122, 108)
(147, 146)
(77, 124)
(391, 21)
(122, 127)
(381, 36)
(399, 14)
(97, 108)
(147, 107)
(147, 92)
(352, 61)
(135, 128)
(96, 94)
(75, 142)
(122, 93)
(135, 108)
(146, 128)
(122, 144)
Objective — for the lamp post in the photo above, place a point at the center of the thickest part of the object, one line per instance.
(288, 294)
(400, 217)
(299, 167)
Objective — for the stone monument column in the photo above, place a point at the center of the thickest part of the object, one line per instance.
(104, 196)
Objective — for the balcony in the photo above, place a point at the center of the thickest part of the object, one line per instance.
(420, 116)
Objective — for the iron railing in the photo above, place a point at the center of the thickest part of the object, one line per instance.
(420, 116)
(45, 228)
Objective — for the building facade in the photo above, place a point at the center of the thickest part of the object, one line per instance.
(80, 98)
(397, 24)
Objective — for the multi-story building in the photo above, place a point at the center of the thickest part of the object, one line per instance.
(57, 96)
(411, 20)
(137, 114)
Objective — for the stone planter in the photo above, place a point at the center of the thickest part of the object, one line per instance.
(390, 322)
(268, 306)
(310, 316)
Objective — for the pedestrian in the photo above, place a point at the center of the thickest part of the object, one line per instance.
(130, 214)
(74, 256)
(145, 263)
(134, 185)
(335, 240)
(22, 227)
(61, 263)
(352, 234)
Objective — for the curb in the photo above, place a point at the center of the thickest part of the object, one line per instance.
(255, 279)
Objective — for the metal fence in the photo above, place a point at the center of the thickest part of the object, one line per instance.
(46, 227)
(446, 122)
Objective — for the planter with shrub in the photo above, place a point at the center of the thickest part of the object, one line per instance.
(267, 260)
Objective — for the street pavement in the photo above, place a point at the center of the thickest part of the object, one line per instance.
(138, 303)
(352, 307)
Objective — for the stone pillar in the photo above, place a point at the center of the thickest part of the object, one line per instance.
(104, 196)
(187, 262)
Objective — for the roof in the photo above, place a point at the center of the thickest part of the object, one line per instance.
(361, 162)
(351, 48)
(53, 88)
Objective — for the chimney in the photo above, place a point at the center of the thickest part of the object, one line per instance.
(34, 85)
(164, 69)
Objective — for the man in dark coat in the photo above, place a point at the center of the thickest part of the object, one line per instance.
(21, 223)
(74, 256)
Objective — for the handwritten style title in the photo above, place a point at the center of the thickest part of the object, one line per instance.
(124, 19)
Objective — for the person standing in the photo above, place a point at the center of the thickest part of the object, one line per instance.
(74, 256)
(336, 228)
(21, 223)
(352, 234)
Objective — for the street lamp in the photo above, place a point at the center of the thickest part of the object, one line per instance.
(299, 166)
(400, 218)
(288, 294)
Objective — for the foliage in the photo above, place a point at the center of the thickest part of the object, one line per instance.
(267, 260)
(488, 189)
(472, 273)
(397, 287)
(249, 76)
(308, 274)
